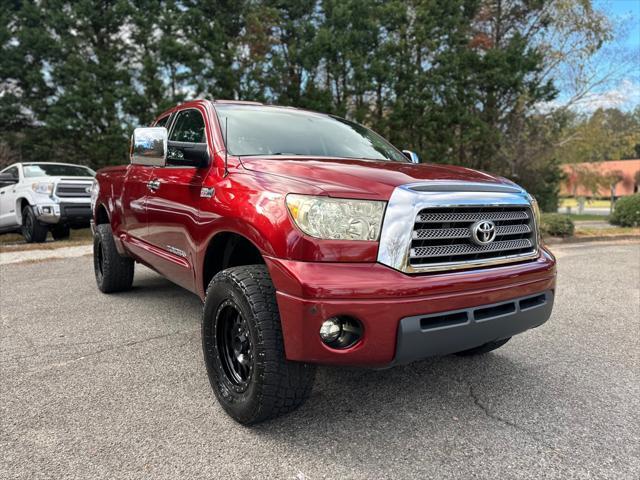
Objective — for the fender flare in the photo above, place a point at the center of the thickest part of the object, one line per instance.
(18, 206)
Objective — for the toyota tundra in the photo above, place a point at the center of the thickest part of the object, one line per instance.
(312, 240)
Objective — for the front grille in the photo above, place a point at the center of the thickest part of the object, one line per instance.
(442, 236)
(77, 190)
(77, 211)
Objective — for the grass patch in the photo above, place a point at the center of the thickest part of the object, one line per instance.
(587, 217)
(14, 242)
(606, 232)
(593, 203)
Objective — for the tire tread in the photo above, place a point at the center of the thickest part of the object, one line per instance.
(285, 384)
(117, 271)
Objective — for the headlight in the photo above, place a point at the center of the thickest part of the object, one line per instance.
(45, 188)
(95, 191)
(337, 218)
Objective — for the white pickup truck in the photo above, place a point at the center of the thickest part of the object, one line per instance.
(36, 198)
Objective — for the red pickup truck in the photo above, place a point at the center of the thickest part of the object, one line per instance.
(312, 240)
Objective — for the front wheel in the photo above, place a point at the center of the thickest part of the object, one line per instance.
(32, 230)
(244, 350)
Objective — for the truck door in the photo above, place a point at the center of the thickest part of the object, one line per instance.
(134, 200)
(172, 205)
(8, 199)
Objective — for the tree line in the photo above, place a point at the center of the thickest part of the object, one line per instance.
(458, 81)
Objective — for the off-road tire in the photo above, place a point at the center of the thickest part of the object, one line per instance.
(32, 230)
(114, 273)
(486, 348)
(60, 232)
(274, 386)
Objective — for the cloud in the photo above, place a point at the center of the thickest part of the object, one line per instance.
(625, 96)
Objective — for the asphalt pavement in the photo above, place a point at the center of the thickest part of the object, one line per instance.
(95, 386)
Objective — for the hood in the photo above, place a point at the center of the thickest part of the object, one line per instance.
(363, 178)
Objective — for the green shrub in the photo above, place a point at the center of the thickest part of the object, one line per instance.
(627, 211)
(556, 225)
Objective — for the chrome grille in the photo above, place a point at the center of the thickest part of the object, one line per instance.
(438, 233)
(442, 236)
(428, 217)
(78, 190)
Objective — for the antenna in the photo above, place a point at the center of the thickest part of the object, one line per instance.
(226, 142)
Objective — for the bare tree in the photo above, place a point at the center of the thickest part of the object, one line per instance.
(7, 155)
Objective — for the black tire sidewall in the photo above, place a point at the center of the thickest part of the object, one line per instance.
(117, 271)
(35, 234)
(98, 243)
(241, 405)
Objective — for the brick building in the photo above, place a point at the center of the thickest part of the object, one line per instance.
(628, 185)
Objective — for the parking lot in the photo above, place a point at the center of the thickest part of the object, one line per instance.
(96, 386)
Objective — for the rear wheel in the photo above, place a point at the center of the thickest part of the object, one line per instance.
(60, 232)
(244, 350)
(486, 348)
(114, 273)
(32, 230)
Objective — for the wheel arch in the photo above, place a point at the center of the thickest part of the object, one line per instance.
(101, 214)
(21, 202)
(227, 249)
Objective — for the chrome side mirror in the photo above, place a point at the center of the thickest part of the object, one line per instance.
(149, 146)
(413, 156)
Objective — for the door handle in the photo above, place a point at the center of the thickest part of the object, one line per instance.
(153, 185)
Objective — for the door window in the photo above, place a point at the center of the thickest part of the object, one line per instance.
(13, 171)
(188, 127)
(163, 122)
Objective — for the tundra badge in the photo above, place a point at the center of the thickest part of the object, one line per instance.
(207, 192)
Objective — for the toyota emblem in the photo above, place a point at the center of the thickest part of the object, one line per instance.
(483, 232)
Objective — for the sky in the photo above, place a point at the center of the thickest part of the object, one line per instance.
(624, 90)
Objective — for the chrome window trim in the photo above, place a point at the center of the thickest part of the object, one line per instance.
(406, 202)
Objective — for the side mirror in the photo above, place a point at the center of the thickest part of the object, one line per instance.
(149, 146)
(188, 154)
(7, 179)
(413, 156)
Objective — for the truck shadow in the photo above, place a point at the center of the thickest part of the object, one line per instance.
(384, 411)
(398, 414)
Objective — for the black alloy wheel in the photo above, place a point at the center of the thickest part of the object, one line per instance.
(244, 349)
(32, 230)
(234, 346)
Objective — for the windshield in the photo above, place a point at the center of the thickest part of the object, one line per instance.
(263, 130)
(56, 170)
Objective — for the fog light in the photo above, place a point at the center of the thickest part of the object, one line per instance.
(330, 330)
(46, 209)
(340, 332)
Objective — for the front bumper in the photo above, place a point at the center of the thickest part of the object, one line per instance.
(68, 213)
(444, 333)
(388, 303)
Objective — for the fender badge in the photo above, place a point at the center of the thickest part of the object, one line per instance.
(176, 251)
(207, 192)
